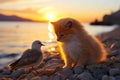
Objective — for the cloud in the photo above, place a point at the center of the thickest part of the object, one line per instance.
(7, 1)
(11, 1)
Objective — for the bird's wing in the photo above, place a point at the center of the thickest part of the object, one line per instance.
(29, 57)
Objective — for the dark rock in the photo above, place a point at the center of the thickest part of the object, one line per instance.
(106, 77)
(56, 77)
(114, 53)
(44, 78)
(114, 71)
(117, 77)
(6, 72)
(78, 70)
(98, 73)
(17, 73)
(36, 78)
(65, 73)
(85, 76)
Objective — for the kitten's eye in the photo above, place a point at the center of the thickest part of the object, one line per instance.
(61, 35)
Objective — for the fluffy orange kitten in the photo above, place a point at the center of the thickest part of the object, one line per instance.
(78, 45)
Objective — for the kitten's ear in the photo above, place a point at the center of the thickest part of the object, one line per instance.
(53, 23)
(68, 24)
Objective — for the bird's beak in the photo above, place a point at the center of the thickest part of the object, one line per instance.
(42, 44)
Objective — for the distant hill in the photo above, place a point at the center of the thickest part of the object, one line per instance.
(13, 18)
(113, 18)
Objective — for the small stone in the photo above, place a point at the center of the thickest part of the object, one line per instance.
(77, 70)
(17, 73)
(106, 77)
(94, 67)
(74, 77)
(56, 77)
(6, 72)
(114, 53)
(117, 77)
(30, 76)
(65, 73)
(36, 78)
(44, 78)
(85, 76)
(114, 71)
(98, 73)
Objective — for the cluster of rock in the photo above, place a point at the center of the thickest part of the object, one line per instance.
(51, 68)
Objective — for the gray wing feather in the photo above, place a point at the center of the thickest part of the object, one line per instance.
(29, 57)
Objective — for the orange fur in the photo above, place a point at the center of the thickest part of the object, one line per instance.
(78, 45)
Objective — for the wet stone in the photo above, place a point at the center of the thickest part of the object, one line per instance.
(78, 70)
(85, 76)
(106, 77)
(56, 77)
(114, 71)
(98, 73)
(117, 77)
(36, 78)
(17, 73)
(6, 72)
(44, 78)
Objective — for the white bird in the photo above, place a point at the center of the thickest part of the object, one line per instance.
(30, 58)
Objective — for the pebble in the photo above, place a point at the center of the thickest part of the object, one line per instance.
(36, 78)
(114, 71)
(114, 53)
(44, 78)
(6, 72)
(98, 73)
(17, 73)
(56, 77)
(78, 70)
(106, 77)
(85, 76)
(117, 77)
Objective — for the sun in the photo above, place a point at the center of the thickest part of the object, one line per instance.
(50, 17)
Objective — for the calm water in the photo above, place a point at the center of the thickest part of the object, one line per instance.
(15, 37)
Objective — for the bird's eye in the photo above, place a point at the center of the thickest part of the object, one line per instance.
(39, 43)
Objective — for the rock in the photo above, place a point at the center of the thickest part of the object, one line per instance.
(116, 65)
(114, 53)
(98, 73)
(44, 78)
(56, 77)
(6, 72)
(106, 77)
(94, 67)
(114, 71)
(6, 79)
(74, 77)
(17, 73)
(47, 72)
(29, 76)
(1, 70)
(77, 70)
(65, 73)
(117, 77)
(85, 76)
(36, 78)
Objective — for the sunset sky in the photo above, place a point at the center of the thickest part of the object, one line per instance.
(83, 10)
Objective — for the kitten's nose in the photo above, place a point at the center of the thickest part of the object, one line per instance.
(58, 39)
